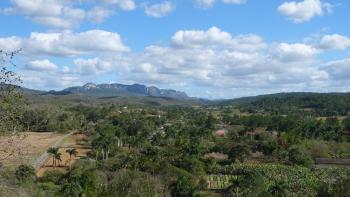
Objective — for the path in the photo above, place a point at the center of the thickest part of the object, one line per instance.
(45, 156)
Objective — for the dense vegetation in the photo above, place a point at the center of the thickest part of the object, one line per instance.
(320, 104)
(173, 151)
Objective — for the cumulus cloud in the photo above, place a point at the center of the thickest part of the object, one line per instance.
(159, 10)
(122, 4)
(294, 52)
(54, 13)
(214, 59)
(49, 80)
(305, 10)
(98, 14)
(10, 43)
(214, 37)
(67, 43)
(91, 66)
(338, 70)
(66, 14)
(335, 41)
(209, 60)
(41, 65)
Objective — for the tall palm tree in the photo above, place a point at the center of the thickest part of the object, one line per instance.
(58, 157)
(53, 152)
(71, 152)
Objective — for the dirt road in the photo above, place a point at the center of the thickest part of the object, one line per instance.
(44, 157)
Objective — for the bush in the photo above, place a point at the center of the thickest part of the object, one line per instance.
(183, 187)
(53, 176)
(134, 183)
(48, 188)
(25, 173)
(298, 156)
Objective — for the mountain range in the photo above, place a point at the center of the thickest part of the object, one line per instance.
(115, 89)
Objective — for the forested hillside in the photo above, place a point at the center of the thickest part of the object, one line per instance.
(321, 104)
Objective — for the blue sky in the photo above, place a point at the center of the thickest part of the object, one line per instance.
(208, 48)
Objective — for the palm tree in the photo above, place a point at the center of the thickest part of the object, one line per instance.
(53, 152)
(71, 152)
(235, 188)
(58, 157)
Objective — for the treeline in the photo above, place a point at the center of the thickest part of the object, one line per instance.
(330, 128)
(316, 104)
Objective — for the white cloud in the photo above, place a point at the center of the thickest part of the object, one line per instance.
(214, 37)
(335, 41)
(205, 4)
(294, 52)
(98, 14)
(198, 61)
(53, 13)
(91, 66)
(10, 43)
(338, 70)
(67, 14)
(234, 1)
(159, 10)
(49, 80)
(67, 43)
(122, 4)
(304, 10)
(215, 59)
(41, 65)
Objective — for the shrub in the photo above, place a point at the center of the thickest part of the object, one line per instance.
(25, 173)
(298, 156)
(53, 176)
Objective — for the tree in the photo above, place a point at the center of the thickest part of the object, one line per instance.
(342, 188)
(71, 189)
(10, 97)
(210, 122)
(299, 156)
(58, 158)
(104, 140)
(346, 124)
(240, 152)
(134, 183)
(71, 152)
(278, 189)
(53, 152)
(25, 173)
(248, 183)
(10, 106)
(183, 187)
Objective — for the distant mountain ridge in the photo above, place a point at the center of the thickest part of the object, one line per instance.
(115, 89)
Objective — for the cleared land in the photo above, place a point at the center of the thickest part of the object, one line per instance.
(75, 141)
(30, 148)
(25, 148)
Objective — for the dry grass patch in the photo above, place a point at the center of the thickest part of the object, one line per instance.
(25, 148)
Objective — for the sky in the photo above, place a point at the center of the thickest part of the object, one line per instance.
(207, 48)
